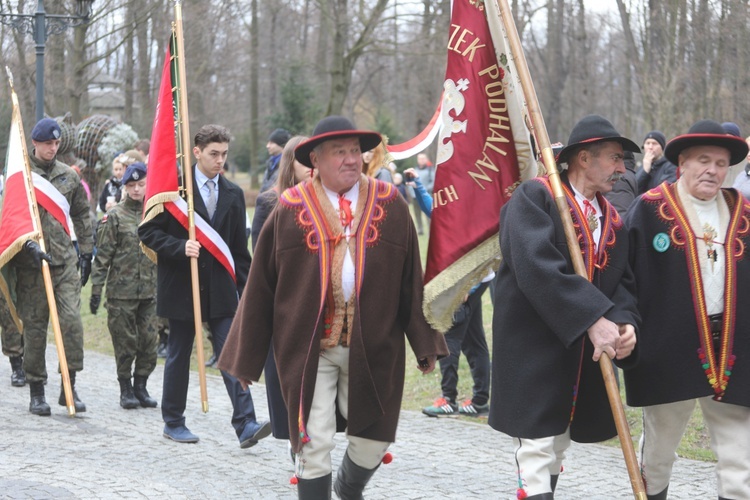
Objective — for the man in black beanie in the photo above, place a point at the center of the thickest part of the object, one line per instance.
(656, 168)
(276, 142)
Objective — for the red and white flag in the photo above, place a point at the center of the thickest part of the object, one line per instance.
(17, 222)
(484, 153)
(17, 218)
(162, 184)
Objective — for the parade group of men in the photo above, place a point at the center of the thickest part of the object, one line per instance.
(663, 297)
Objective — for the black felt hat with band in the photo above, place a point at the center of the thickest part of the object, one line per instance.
(334, 127)
(592, 129)
(707, 133)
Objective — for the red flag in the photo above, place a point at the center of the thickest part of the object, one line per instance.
(482, 150)
(161, 182)
(162, 185)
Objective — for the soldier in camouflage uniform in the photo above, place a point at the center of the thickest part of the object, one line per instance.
(64, 266)
(12, 340)
(131, 290)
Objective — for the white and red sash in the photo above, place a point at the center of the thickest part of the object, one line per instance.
(53, 202)
(205, 234)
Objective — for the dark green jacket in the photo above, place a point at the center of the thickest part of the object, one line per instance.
(119, 261)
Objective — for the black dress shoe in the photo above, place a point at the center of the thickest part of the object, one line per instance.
(211, 363)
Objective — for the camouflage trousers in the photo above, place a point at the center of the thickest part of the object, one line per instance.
(34, 312)
(11, 338)
(132, 325)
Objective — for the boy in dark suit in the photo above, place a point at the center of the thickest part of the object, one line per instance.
(221, 204)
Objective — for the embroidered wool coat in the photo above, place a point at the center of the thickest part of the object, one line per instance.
(674, 364)
(285, 303)
(543, 377)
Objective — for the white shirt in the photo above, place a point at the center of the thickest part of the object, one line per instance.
(596, 234)
(201, 179)
(347, 271)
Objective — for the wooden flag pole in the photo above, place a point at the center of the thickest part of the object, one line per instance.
(187, 175)
(37, 224)
(548, 157)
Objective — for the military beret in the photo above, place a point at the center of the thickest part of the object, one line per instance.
(46, 129)
(135, 172)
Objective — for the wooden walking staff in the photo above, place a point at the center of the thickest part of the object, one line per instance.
(37, 224)
(613, 392)
(187, 176)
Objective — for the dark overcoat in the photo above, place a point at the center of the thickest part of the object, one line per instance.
(675, 329)
(166, 236)
(283, 305)
(543, 377)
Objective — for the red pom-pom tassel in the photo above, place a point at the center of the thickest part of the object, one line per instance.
(293, 480)
(521, 494)
(387, 458)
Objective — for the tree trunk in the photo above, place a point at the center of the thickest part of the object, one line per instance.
(254, 76)
(78, 88)
(129, 62)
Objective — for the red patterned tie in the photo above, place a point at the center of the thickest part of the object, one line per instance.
(345, 211)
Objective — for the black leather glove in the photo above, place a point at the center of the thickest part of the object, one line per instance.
(84, 261)
(35, 251)
(94, 302)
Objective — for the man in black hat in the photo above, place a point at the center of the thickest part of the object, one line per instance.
(65, 201)
(551, 325)
(689, 255)
(275, 145)
(655, 168)
(323, 260)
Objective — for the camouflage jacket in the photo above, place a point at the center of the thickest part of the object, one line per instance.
(57, 242)
(119, 261)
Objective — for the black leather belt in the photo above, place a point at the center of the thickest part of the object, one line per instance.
(716, 322)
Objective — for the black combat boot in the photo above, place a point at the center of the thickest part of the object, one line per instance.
(18, 376)
(80, 406)
(127, 398)
(38, 405)
(314, 489)
(351, 479)
(553, 481)
(659, 496)
(139, 388)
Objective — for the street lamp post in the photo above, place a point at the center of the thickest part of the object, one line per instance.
(42, 25)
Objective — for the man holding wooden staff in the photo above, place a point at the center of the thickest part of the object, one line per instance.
(689, 245)
(61, 200)
(551, 325)
(221, 205)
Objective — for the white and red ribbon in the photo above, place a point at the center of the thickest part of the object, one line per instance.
(205, 234)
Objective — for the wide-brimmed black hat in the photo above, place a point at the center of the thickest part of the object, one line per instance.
(592, 129)
(334, 127)
(707, 133)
